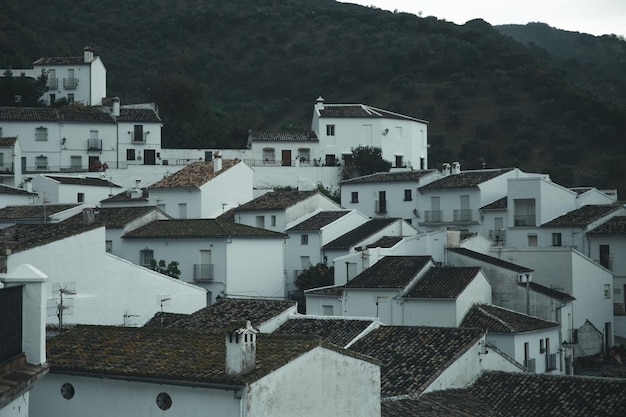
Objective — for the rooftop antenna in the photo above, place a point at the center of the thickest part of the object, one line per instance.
(163, 300)
(62, 301)
(128, 318)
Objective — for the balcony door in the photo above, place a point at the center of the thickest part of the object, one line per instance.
(286, 157)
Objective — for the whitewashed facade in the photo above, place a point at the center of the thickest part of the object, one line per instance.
(10, 161)
(68, 190)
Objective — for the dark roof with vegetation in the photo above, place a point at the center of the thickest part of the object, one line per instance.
(325, 291)
(47, 114)
(542, 289)
(339, 331)
(5, 189)
(283, 136)
(443, 282)
(390, 272)
(220, 314)
(164, 319)
(126, 196)
(276, 200)
(198, 228)
(501, 320)
(361, 111)
(319, 220)
(457, 403)
(499, 204)
(138, 115)
(490, 260)
(399, 176)
(583, 216)
(185, 356)
(118, 217)
(62, 60)
(89, 181)
(360, 233)
(39, 211)
(413, 357)
(465, 179)
(614, 226)
(194, 175)
(386, 242)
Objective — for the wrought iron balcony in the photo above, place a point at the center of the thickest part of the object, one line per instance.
(53, 83)
(432, 216)
(70, 83)
(203, 273)
(463, 215)
(530, 365)
(525, 220)
(380, 206)
(94, 144)
(551, 362)
(498, 235)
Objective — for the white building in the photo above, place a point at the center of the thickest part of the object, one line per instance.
(10, 161)
(11, 196)
(63, 189)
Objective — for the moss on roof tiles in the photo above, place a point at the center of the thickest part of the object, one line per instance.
(583, 216)
(198, 228)
(194, 175)
(39, 211)
(465, 179)
(390, 272)
(443, 282)
(276, 200)
(338, 331)
(501, 320)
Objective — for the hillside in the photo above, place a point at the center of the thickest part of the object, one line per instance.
(217, 69)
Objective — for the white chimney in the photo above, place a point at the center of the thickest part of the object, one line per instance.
(116, 106)
(240, 348)
(456, 168)
(217, 161)
(319, 103)
(87, 54)
(89, 215)
(445, 168)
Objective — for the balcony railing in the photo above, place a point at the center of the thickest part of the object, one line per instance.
(94, 144)
(530, 365)
(551, 362)
(70, 83)
(497, 235)
(53, 83)
(7, 169)
(380, 206)
(463, 215)
(432, 216)
(203, 273)
(525, 220)
(139, 138)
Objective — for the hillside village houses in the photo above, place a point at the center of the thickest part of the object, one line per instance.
(500, 269)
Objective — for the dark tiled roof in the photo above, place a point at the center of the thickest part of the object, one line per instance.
(86, 114)
(185, 356)
(91, 181)
(198, 228)
(360, 233)
(194, 175)
(62, 60)
(46, 114)
(333, 291)
(282, 136)
(412, 357)
(614, 226)
(361, 111)
(8, 141)
(339, 331)
(501, 320)
(457, 403)
(541, 289)
(39, 211)
(443, 282)
(125, 196)
(400, 176)
(5, 189)
(17, 377)
(220, 314)
(540, 395)
(164, 319)
(465, 179)
(390, 272)
(319, 220)
(583, 216)
(117, 217)
(500, 204)
(276, 200)
(138, 115)
(386, 242)
(490, 260)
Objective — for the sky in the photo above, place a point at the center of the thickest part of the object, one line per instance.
(597, 17)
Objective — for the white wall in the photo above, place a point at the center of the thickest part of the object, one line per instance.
(513, 345)
(228, 190)
(321, 382)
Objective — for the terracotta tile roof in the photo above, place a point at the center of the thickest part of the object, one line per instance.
(541, 289)
(138, 115)
(276, 200)
(499, 204)
(583, 216)
(361, 111)
(5, 189)
(501, 320)
(220, 314)
(91, 181)
(359, 234)
(282, 136)
(400, 176)
(390, 272)
(457, 403)
(614, 226)
(319, 220)
(198, 228)
(339, 331)
(118, 217)
(386, 242)
(8, 141)
(17, 377)
(332, 291)
(126, 196)
(465, 179)
(444, 282)
(173, 355)
(194, 175)
(490, 260)
(39, 211)
(413, 357)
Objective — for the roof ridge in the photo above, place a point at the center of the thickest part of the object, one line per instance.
(493, 317)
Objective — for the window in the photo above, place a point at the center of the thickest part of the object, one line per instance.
(41, 133)
(408, 195)
(41, 162)
(138, 133)
(146, 256)
(108, 246)
(399, 161)
(524, 212)
(1, 158)
(269, 155)
(381, 203)
(327, 310)
(542, 346)
(260, 221)
(67, 391)
(70, 98)
(532, 240)
(164, 401)
(80, 197)
(273, 220)
(354, 197)
(304, 239)
(330, 130)
(304, 155)
(556, 239)
(605, 256)
(182, 210)
(76, 162)
(607, 290)
(53, 98)
(130, 154)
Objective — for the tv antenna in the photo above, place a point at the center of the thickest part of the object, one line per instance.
(128, 318)
(62, 300)
(163, 300)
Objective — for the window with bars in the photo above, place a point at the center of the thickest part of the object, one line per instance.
(146, 256)
(41, 133)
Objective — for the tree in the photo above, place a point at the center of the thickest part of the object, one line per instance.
(22, 91)
(365, 160)
(320, 275)
(170, 270)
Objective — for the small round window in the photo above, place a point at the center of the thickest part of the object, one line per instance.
(67, 391)
(164, 401)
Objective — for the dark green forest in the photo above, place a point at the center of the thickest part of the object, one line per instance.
(527, 96)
